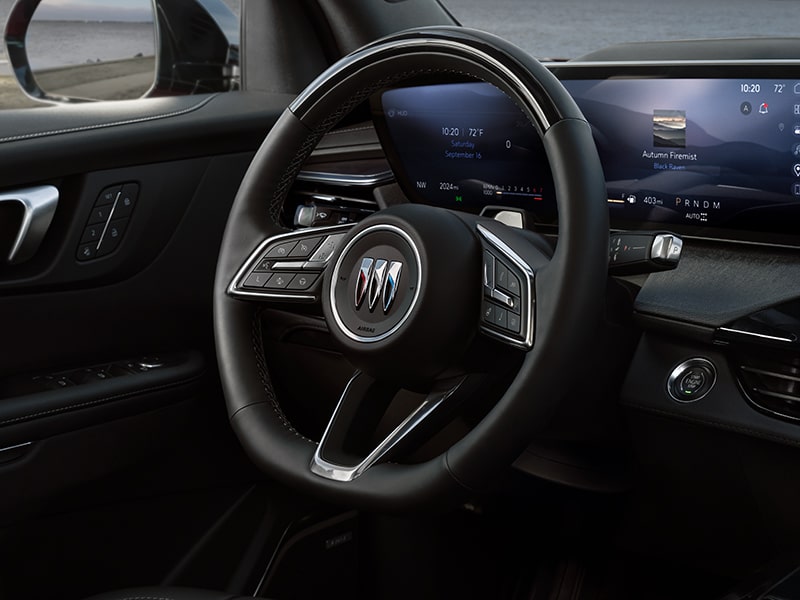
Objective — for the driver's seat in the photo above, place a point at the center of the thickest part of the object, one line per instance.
(166, 593)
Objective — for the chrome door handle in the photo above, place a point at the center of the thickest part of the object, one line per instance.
(39, 206)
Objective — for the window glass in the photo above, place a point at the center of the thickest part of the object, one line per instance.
(561, 29)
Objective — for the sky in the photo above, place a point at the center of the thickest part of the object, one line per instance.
(571, 28)
(95, 10)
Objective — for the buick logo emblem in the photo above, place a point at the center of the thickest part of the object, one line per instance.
(377, 281)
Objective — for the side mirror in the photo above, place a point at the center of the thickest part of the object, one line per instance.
(73, 51)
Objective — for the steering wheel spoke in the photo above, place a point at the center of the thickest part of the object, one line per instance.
(361, 408)
(288, 267)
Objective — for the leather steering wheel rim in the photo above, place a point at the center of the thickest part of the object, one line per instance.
(569, 289)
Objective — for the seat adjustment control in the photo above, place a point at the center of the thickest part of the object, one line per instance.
(107, 221)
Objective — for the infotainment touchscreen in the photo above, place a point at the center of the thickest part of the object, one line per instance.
(719, 153)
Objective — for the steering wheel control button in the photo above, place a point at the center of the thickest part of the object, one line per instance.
(327, 248)
(503, 298)
(501, 273)
(302, 281)
(488, 312)
(513, 323)
(289, 266)
(488, 271)
(506, 308)
(305, 247)
(281, 250)
(513, 284)
(279, 281)
(691, 380)
(257, 280)
(501, 317)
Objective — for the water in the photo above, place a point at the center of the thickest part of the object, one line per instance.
(571, 28)
(58, 43)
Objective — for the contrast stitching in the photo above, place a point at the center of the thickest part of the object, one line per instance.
(38, 134)
(350, 130)
(72, 407)
(145, 598)
(263, 373)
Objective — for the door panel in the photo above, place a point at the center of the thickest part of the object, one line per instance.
(137, 478)
(115, 452)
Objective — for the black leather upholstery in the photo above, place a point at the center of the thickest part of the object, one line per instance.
(165, 593)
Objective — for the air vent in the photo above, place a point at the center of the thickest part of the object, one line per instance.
(772, 383)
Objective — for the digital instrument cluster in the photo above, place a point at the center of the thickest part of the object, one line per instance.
(466, 146)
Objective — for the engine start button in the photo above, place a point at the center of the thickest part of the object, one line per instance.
(691, 380)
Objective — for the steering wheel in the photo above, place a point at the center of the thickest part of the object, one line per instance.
(413, 295)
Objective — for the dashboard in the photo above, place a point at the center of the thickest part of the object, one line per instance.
(707, 150)
(703, 360)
